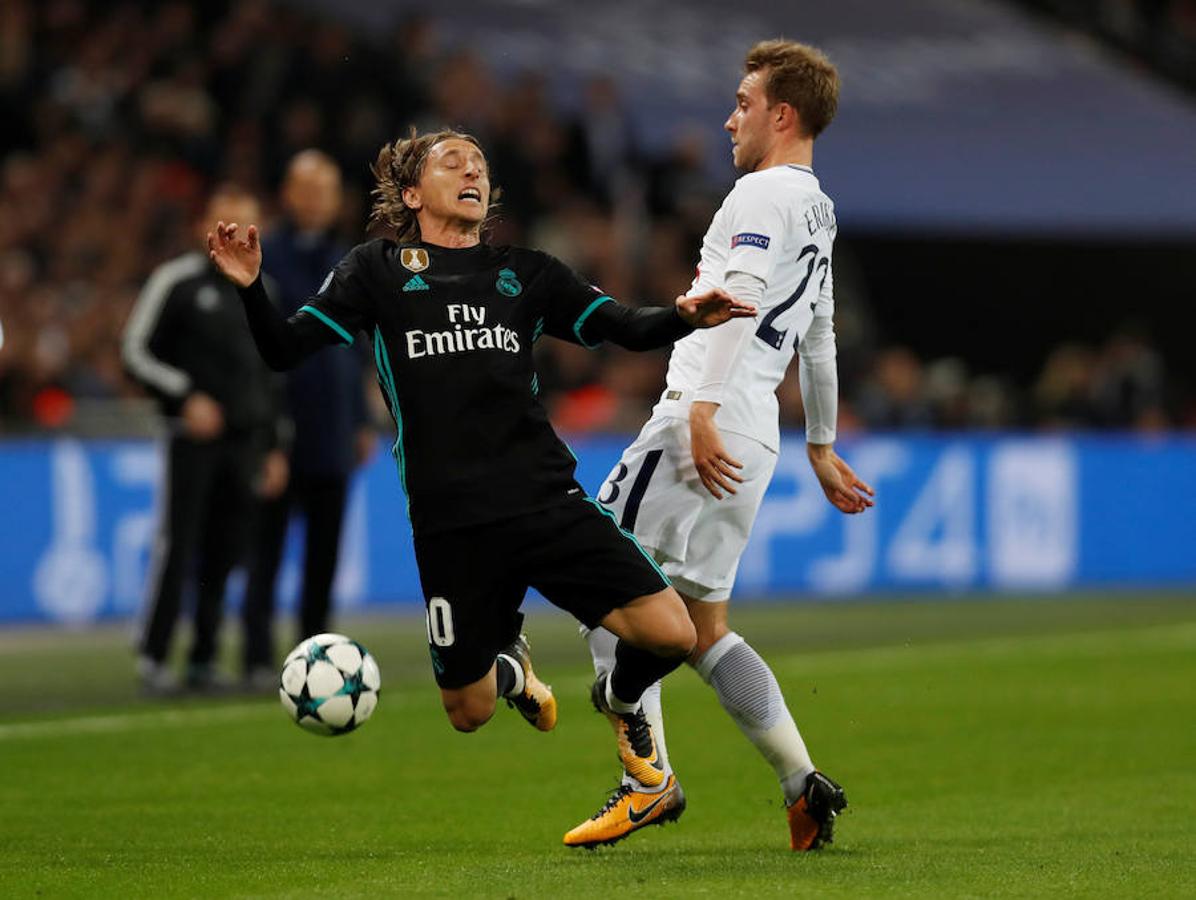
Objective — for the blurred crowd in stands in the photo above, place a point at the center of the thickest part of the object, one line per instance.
(120, 116)
(1158, 34)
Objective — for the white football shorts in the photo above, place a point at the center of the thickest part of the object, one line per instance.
(655, 493)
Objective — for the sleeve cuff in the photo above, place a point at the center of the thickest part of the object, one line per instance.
(581, 321)
(709, 394)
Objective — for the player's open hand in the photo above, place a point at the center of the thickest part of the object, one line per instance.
(712, 308)
(716, 468)
(238, 258)
(842, 486)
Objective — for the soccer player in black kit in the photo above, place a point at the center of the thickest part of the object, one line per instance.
(493, 503)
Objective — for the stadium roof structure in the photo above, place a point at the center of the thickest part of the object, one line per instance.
(956, 115)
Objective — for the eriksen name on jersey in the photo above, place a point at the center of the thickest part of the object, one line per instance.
(819, 216)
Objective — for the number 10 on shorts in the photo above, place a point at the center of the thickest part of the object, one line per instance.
(440, 622)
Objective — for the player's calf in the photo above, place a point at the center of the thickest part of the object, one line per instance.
(656, 623)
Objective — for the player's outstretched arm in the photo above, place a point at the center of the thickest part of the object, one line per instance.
(281, 343)
(714, 307)
(652, 327)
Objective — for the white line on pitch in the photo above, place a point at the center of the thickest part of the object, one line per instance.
(166, 718)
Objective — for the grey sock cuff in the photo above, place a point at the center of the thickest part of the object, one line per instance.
(704, 665)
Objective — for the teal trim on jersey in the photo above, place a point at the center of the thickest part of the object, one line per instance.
(581, 320)
(538, 329)
(386, 379)
(536, 384)
(631, 537)
(345, 336)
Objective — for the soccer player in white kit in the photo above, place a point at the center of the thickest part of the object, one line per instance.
(690, 485)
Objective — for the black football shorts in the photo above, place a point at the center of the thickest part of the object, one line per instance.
(474, 579)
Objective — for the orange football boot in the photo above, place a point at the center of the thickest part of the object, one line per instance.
(812, 815)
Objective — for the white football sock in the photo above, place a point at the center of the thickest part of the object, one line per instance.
(602, 648)
(650, 701)
(749, 693)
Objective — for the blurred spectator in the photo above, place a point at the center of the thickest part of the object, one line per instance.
(1063, 392)
(604, 152)
(894, 395)
(945, 390)
(1127, 390)
(186, 342)
(327, 406)
(119, 116)
(1160, 34)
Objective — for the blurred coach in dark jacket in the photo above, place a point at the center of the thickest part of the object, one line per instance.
(186, 343)
(328, 407)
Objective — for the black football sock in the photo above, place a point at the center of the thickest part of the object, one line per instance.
(509, 676)
(635, 671)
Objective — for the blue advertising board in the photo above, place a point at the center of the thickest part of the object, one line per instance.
(952, 514)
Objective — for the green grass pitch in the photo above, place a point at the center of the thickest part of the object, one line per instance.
(1029, 747)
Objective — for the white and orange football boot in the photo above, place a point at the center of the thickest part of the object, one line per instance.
(626, 811)
(633, 734)
(536, 703)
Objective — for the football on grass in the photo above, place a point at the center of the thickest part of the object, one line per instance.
(329, 684)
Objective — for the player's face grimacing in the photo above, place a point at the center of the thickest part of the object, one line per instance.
(749, 123)
(455, 183)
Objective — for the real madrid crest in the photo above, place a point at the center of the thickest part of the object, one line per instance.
(508, 283)
(414, 258)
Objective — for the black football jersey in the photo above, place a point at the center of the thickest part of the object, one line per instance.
(451, 332)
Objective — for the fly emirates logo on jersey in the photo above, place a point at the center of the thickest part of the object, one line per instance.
(466, 333)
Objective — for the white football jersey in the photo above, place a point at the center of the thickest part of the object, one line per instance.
(778, 225)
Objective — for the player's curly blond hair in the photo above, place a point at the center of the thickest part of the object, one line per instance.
(801, 76)
(399, 165)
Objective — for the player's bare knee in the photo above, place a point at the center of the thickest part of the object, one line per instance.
(467, 720)
(678, 639)
(469, 714)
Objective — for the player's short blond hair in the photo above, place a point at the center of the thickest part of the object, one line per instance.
(399, 166)
(801, 76)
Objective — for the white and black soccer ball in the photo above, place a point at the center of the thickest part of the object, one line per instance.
(329, 684)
